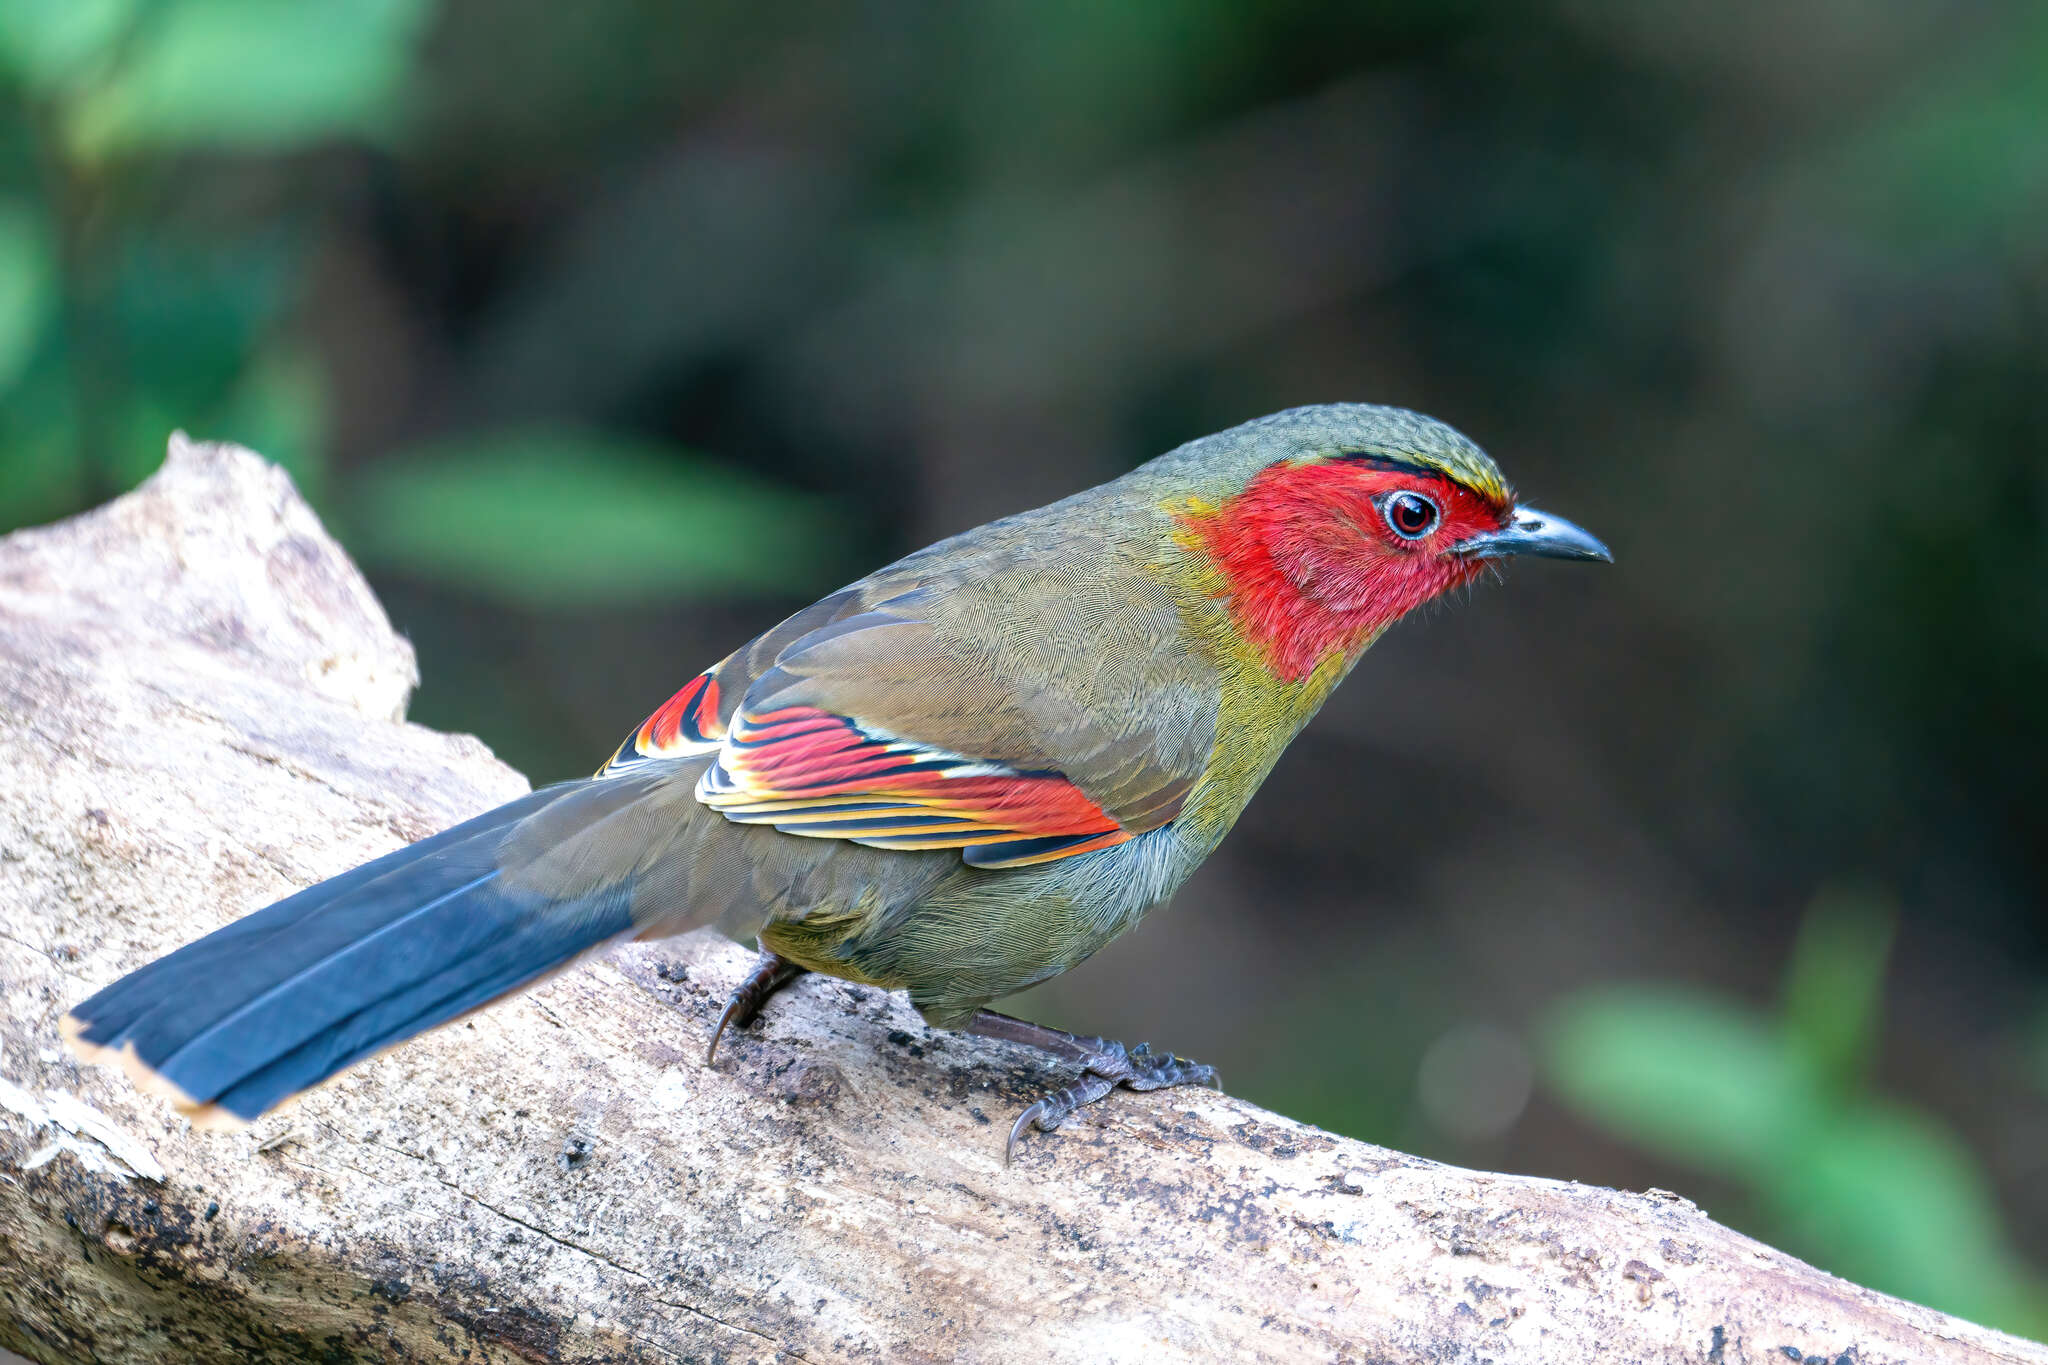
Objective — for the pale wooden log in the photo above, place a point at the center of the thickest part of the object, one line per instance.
(201, 709)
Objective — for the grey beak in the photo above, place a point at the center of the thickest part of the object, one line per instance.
(1534, 533)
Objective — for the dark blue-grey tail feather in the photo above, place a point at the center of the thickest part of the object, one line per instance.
(283, 998)
(190, 977)
(540, 944)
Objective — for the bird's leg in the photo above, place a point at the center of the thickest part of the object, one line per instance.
(1105, 1065)
(771, 973)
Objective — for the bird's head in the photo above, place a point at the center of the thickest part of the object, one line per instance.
(1336, 521)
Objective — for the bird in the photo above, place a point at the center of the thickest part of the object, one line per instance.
(957, 777)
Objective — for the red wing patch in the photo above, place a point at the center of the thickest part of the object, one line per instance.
(685, 724)
(807, 771)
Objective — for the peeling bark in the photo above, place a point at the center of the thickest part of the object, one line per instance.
(201, 709)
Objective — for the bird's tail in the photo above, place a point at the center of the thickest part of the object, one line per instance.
(281, 999)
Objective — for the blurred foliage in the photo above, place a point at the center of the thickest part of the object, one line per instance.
(557, 518)
(1882, 1193)
(127, 76)
(606, 332)
(117, 326)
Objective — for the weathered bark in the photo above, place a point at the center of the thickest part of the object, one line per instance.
(201, 709)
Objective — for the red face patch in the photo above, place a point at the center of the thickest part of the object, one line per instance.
(1321, 557)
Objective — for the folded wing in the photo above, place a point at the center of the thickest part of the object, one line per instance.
(932, 719)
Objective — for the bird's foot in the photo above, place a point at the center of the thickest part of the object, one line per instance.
(1103, 1071)
(771, 973)
(1105, 1065)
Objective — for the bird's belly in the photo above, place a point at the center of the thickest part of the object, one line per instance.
(987, 934)
(820, 948)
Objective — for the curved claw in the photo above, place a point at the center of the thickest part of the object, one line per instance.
(770, 974)
(1052, 1111)
(1024, 1120)
(733, 1005)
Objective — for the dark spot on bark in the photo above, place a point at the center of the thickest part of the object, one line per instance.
(813, 1082)
(576, 1151)
(212, 1209)
(1078, 1236)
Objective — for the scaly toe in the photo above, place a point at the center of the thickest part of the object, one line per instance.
(1163, 1072)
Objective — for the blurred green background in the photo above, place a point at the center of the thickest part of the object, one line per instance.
(606, 333)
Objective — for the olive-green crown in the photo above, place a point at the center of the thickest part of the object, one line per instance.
(1332, 431)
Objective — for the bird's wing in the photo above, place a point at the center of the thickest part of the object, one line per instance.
(1014, 706)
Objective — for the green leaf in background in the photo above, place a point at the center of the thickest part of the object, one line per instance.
(1681, 1072)
(46, 44)
(137, 432)
(1895, 1201)
(276, 407)
(1883, 1195)
(565, 518)
(41, 476)
(279, 407)
(186, 318)
(1834, 988)
(28, 287)
(253, 75)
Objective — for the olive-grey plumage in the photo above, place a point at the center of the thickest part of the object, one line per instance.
(958, 776)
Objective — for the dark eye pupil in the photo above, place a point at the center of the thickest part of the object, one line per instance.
(1412, 515)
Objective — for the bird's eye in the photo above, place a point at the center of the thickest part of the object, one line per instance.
(1411, 515)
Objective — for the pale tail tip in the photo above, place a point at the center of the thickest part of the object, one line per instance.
(143, 1077)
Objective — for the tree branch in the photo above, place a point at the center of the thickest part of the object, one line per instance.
(200, 710)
